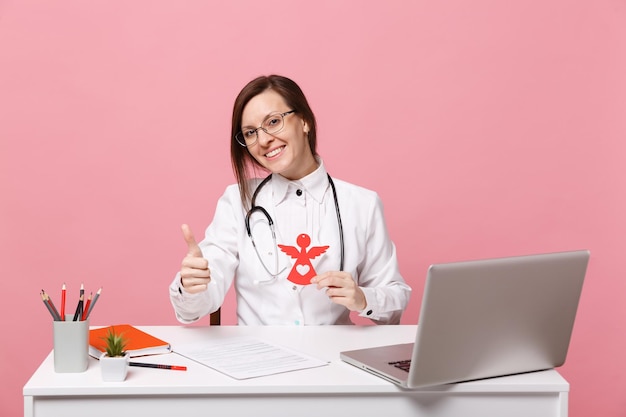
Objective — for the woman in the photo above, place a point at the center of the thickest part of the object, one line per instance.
(330, 253)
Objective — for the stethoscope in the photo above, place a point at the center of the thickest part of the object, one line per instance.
(254, 208)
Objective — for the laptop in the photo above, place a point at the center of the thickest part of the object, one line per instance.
(486, 318)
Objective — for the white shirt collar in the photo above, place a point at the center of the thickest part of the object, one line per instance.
(315, 184)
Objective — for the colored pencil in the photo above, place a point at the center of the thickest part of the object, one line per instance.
(86, 309)
(82, 298)
(79, 308)
(54, 309)
(43, 298)
(93, 303)
(50, 306)
(63, 291)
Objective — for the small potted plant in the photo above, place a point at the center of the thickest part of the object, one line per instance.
(114, 362)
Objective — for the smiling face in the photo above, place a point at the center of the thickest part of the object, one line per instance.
(286, 152)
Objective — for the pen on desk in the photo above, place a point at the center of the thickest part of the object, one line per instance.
(63, 291)
(86, 309)
(93, 303)
(159, 366)
(49, 306)
(79, 308)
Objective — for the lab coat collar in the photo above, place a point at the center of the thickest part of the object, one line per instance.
(315, 184)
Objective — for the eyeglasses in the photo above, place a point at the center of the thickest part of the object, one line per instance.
(273, 123)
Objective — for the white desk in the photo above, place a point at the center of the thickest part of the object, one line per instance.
(327, 391)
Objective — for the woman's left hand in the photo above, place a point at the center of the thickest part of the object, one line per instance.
(341, 289)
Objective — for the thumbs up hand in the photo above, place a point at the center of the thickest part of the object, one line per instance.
(195, 274)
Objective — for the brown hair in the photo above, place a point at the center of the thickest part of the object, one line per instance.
(241, 159)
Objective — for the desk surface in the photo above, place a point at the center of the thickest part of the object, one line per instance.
(324, 342)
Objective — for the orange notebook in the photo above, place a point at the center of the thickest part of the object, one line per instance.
(139, 343)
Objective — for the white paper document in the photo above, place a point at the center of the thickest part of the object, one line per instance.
(246, 357)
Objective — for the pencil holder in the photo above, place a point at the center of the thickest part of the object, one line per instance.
(71, 345)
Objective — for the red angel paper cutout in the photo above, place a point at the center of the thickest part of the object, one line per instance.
(302, 271)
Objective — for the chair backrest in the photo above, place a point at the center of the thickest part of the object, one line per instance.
(215, 317)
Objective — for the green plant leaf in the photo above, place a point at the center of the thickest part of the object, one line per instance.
(115, 344)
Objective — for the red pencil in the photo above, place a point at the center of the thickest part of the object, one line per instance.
(86, 309)
(63, 291)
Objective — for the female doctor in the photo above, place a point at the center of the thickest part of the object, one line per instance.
(301, 247)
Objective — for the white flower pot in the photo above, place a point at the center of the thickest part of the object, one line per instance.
(114, 369)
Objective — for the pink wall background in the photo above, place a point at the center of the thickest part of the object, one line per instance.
(489, 128)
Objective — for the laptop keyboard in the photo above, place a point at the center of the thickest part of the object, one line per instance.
(404, 365)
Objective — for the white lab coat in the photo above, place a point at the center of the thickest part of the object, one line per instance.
(370, 255)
